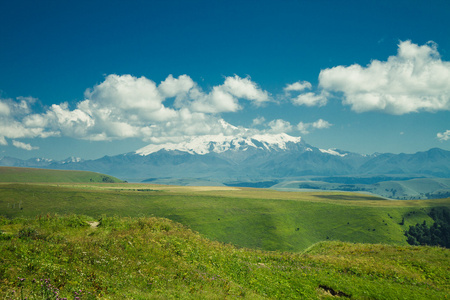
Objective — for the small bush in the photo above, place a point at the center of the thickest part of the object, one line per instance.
(75, 221)
(27, 233)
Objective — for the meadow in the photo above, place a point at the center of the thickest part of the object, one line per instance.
(87, 240)
(54, 257)
(13, 174)
(254, 218)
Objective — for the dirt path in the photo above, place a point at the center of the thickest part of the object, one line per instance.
(94, 224)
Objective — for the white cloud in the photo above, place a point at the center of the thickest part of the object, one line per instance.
(130, 98)
(172, 87)
(310, 99)
(215, 102)
(20, 106)
(298, 86)
(416, 79)
(24, 146)
(280, 126)
(258, 121)
(303, 127)
(225, 97)
(307, 99)
(246, 89)
(444, 136)
(4, 109)
(15, 124)
(319, 124)
(124, 106)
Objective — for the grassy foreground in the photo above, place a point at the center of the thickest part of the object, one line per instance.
(53, 257)
(253, 218)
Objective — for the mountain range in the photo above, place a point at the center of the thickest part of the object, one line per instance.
(254, 160)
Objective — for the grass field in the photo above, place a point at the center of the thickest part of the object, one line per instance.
(254, 218)
(12, 174)
(55, 257)
(77, 239)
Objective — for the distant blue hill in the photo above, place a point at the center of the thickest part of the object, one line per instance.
(260, 160)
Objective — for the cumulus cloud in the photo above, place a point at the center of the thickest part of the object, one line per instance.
(258, 121)
(173, 87)
(298, 86)
(246, 89)
(217, 101)
(17, 107)
(319, 124)
(24, 146)
(443, 136)
(124, 106)
(128, 97)
(225, 97)
(13, 124)
(4, 109)
(415, 79)
(280, 126)
(303, 127)
(307, 99)
(310, 99)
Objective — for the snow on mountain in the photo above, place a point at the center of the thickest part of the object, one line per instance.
(43, 160)
(221, 143)
(333, 152)
(71, 159)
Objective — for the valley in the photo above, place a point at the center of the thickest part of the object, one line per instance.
(263, 219)
(270, 161)
(152, 241)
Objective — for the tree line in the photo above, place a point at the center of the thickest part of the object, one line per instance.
(437, 234)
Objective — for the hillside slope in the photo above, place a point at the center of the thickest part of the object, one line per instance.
(151, 258)
(418, 188)
(253, 218)
(15, 174)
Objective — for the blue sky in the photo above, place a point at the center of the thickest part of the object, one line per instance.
(95, 78)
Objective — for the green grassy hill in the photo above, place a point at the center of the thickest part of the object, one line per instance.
(153, 258)
(254, 218)
(13, 174)
(419, 188)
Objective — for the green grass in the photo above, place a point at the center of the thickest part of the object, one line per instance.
(327, 244)
(155, 258)
(253, 218)
(13, 174)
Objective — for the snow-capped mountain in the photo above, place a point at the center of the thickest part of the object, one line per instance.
(222, 159)
(220, 143)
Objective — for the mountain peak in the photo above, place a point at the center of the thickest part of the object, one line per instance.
(221, 143)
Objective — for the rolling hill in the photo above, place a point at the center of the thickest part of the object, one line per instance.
(154, 258)
(14, 174)
(255, 218)
(418, 188)
(140, 241)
